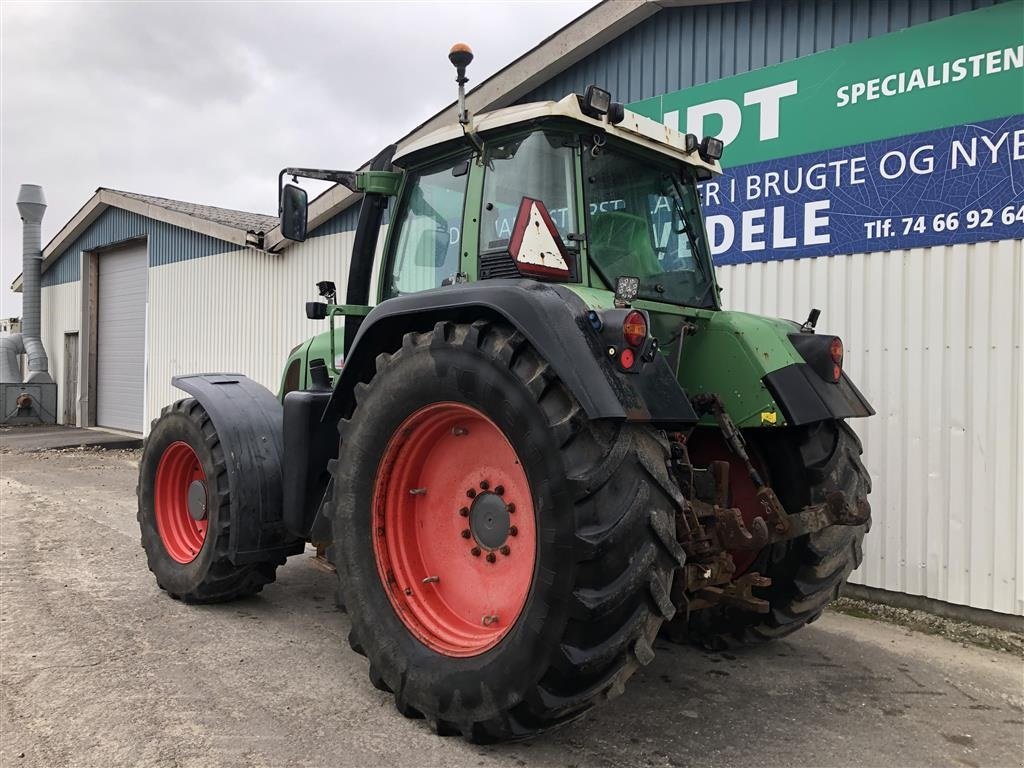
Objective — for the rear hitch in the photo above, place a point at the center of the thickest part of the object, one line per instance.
(709, 530)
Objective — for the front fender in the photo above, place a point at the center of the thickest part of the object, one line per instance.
(248, 421)
(552, 320)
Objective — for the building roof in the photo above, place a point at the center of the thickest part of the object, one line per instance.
(238, 227)
(244, 220)
(579, 38)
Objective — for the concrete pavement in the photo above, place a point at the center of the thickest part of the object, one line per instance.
(101, 668)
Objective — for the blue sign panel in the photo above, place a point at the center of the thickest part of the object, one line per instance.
(962, 184)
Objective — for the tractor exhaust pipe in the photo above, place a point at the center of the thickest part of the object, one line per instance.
(31, 207)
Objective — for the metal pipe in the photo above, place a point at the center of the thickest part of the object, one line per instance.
(10, 368)
(31, 207)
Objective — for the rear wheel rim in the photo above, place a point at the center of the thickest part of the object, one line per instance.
(178, 474)
(454, 529)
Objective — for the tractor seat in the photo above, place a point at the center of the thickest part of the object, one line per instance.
(620, 244)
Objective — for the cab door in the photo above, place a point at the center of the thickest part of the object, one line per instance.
(425, 238)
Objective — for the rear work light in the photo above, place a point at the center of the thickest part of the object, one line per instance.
(634, 329)
(835, 350)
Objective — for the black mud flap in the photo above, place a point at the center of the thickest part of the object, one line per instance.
(249, 422)
(309, 445)
(805, 397)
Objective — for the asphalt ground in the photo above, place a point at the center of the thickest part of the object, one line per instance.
(98, 667)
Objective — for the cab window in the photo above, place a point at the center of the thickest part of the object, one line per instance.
(426, 252)
(538, 165)
(643, 220)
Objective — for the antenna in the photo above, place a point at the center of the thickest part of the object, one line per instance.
(460, 56)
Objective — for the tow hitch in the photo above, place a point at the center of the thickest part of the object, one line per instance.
(708, 530)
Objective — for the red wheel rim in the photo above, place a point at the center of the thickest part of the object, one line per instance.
(178, 473)
(706, 446)
(454, 529)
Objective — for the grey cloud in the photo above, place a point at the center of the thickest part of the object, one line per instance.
(207, 101)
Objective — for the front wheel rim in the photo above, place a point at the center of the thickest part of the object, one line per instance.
(180, 501)
(454, 529)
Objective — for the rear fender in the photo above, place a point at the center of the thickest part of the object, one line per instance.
(248, 420)
(550, 317)
(553, 320)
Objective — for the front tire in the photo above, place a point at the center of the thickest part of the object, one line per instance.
(185, 511)
(596, 523)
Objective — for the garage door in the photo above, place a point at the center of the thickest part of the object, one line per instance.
(121, 338)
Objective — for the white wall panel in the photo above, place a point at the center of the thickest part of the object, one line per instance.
(240, 312)
(933, 339)
(61, 313)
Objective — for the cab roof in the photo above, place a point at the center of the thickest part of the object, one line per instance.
(634, 129)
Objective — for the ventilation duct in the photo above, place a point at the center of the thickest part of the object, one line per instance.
(31, 207)
(10, 366)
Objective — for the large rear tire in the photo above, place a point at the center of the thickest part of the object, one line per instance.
(593, 505)
(185, 511)
(804, 464)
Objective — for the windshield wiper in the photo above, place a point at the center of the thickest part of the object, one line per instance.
(707, 270)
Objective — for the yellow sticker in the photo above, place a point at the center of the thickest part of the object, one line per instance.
(769, 417)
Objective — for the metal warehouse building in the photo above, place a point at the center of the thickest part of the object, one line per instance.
(874, 158)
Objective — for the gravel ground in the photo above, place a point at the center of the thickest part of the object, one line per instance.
(98, 667)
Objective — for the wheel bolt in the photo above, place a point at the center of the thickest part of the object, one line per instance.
(500, 490)
(475, 551)
(513, 531)
(471, 493)
(408, 591)
(459, 431)
(466, 534)
(484, 485)
(505, 550)
(511, 508)
(491, 557)
(464, 511)
(488, 620)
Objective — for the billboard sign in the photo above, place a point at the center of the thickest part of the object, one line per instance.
(908, 140)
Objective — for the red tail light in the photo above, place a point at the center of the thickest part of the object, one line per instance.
(634, 329)
(836, 351)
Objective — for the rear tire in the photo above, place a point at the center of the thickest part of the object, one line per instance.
(807, 573)
(185, 436)
(605, 551)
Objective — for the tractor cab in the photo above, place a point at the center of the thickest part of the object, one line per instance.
(579, 192)
(555, 191)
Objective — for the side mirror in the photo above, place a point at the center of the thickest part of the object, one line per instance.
(433, 251)
(294, 208)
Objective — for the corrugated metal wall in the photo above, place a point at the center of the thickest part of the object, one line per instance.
(933, 338)
(61, 314)
(680, 47)
(167, 243)
(340, 222)
(240, 311)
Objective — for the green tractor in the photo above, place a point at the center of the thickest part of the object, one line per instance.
(540, 444)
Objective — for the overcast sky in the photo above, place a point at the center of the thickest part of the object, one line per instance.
(206, 102)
